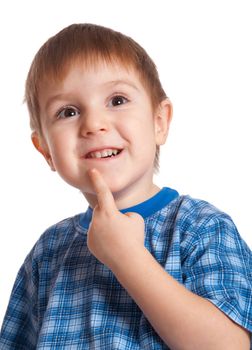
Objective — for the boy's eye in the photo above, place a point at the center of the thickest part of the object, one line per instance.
(117, 101)
(68, 112)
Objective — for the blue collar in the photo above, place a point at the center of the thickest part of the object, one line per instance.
(145, 209)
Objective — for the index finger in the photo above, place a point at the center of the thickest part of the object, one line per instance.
(105, 198)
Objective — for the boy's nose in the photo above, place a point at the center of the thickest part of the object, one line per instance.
(93, 123)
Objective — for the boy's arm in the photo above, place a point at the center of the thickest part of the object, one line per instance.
(20, 325)
(183, 319)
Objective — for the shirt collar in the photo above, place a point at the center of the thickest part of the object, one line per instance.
(145, 209)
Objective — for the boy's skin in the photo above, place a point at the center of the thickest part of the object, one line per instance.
(99, 120)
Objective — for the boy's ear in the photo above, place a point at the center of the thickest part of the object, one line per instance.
(41, 146)
(163, 118)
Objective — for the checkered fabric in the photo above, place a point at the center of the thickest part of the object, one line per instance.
(64, 298)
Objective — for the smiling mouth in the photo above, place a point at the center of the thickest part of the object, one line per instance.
(105, 153)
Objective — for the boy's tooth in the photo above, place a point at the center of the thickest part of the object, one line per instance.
(104, 153)
(98, 155)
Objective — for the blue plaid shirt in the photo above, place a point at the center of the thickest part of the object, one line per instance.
(64, 298)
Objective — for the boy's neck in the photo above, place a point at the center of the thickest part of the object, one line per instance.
(125, 199)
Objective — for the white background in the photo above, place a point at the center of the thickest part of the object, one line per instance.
(203, 52)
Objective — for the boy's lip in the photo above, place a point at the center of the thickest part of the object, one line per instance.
(87, 155)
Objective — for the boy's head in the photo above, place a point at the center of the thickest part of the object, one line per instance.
(89, 47)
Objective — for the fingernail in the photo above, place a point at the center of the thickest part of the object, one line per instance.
(92, 171)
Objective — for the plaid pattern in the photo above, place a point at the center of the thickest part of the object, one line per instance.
(64, 298)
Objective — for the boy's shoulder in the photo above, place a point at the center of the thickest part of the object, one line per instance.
(188, 210)
(198, 220)
(201, 224)
(57, 238)
(200, 210)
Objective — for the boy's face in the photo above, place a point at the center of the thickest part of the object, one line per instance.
(102, 118)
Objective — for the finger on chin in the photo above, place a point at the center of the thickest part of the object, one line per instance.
(105, 198)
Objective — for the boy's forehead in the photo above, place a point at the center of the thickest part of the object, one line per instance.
(104, 71)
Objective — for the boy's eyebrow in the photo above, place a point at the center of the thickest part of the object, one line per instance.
(55, 98)
(122, 82)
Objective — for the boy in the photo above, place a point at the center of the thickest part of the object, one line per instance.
(167, 272)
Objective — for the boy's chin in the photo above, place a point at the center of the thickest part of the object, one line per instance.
(113, 186)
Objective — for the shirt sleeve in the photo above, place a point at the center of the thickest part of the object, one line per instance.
(19, 329)
(219, 267)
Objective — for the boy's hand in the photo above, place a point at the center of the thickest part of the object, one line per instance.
(112, 236)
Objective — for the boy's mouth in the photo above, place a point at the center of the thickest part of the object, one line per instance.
(105, 153)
